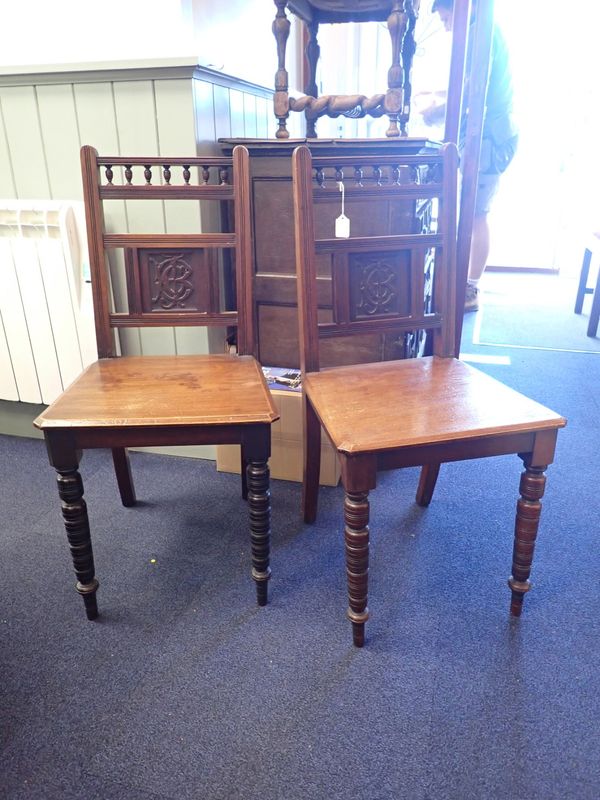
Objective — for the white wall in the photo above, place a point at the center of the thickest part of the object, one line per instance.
(62, 31)
(234, 38)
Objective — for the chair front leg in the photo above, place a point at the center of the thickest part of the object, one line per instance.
(533, 482)
(259, 503)
(74, 511)
(356, 536)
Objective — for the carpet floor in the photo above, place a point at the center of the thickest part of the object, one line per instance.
(183, 688)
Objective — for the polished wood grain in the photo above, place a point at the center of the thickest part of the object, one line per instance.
(141, 401)
(372, 407)
(413, 412)
(164, 390)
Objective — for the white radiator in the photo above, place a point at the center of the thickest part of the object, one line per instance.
(46, 313)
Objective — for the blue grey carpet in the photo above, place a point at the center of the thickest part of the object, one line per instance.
(540, 315)
(185, 689)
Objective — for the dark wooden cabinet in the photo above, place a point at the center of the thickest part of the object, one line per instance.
(273, 240)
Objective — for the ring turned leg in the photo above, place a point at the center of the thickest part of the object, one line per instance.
(529, 508)
(74, 511)
(259, 503)
(356, 534)
(281, 99)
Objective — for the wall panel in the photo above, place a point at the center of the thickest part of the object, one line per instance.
(8, 189)
(60, 135)
(24, 139)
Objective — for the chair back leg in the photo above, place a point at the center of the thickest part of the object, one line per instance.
(582, 289)
(595, 312)
(124, 477)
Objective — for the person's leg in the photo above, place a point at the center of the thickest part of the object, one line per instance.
(480, 239)
(480, 247)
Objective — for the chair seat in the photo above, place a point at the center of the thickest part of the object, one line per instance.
(394, 404)
(341, 10)
(131, 391)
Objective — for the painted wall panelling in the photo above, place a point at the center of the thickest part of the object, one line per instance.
(27, 154)
(57, 104)
(8, 189)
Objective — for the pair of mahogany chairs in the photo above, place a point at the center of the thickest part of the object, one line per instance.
(379, 416)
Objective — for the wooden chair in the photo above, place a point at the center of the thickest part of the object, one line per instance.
(413, 412)
(132, 401)
(583, 289)
(400, 16)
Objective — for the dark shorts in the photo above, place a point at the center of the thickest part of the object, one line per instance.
(493, 161)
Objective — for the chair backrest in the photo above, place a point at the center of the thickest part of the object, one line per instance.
(171, 279)
(398, 284)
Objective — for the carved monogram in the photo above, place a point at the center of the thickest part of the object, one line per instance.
(171, 281)
(377, 288)
(379, 285)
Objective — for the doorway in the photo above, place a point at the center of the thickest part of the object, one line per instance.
(544, 210)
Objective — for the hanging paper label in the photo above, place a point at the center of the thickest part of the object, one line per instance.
(342, 227)
(342, 223)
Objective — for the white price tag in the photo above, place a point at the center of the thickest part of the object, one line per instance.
(342, 227)
(342, 223)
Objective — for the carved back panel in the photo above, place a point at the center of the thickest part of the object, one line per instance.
(379, 281)
(172, 279)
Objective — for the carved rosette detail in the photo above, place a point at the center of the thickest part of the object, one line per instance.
(171, 279)
(356, 536)
(259, 504)
(377, 289)
(75, 517)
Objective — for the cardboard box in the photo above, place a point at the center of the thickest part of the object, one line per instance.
(286, 445)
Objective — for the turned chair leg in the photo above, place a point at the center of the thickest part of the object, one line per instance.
(527, 521)
(124, 478)
(259, 503)
(312, 53)
(281, 99)
(356, 535)
(74, 511)
(427, 481)
(312, 462)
